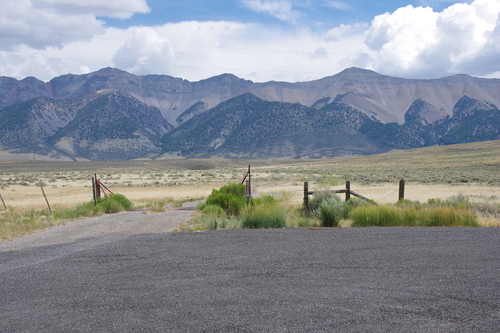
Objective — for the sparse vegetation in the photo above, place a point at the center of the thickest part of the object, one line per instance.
(437, 172)
(15, 222)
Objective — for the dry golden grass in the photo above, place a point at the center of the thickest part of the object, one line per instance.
(436, 172)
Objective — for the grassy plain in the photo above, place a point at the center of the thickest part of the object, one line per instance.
(435, 172)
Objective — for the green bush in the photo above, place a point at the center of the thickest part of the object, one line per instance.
(113, 204)
(110, 206)
(263, 216)
(237, 190)
(231, 198)
(120, 199)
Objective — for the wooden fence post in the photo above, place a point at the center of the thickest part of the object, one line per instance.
(248, 188)
(248, 191)
(97, 187)
(347, 190)
(4, 205)
(249, 183)
(46, 200)
(401, 189)
(93, 191)
(306, 197)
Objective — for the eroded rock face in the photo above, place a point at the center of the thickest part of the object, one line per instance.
(114, 114)
(384, 98)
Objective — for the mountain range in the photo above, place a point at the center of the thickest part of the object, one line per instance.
(112, 114)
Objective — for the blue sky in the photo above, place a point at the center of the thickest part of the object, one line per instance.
(260, 40)
(316, 13)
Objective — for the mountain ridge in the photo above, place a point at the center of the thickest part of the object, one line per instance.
(112, 114)
(385, 98)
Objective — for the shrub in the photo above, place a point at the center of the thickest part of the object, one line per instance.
(113, 204)
(121, 200)
(263, 216)
(330, 210)
(110, 206)
(487, 209)
(237, 190)
(231, 198)
(320, 196)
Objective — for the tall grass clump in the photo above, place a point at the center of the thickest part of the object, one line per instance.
(156, 206)
(213, 217)
(450, 217)
(263, 216)
(376, 216)
(417, 215)
(210, 217)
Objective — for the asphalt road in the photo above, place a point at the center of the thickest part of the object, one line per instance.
(289, 280)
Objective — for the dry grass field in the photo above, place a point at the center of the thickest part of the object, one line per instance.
(436, 172)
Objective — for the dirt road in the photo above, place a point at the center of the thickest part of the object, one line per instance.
(125, 223)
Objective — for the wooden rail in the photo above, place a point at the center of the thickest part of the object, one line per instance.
(348, 192)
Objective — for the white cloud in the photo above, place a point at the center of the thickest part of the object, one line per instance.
(41, 24)
(343, 30)
(110, 8)
(335, 4)
(419, 42)
(410, 42)
(145, 52)
(280, 9)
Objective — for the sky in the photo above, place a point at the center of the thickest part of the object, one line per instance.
(259, 40)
